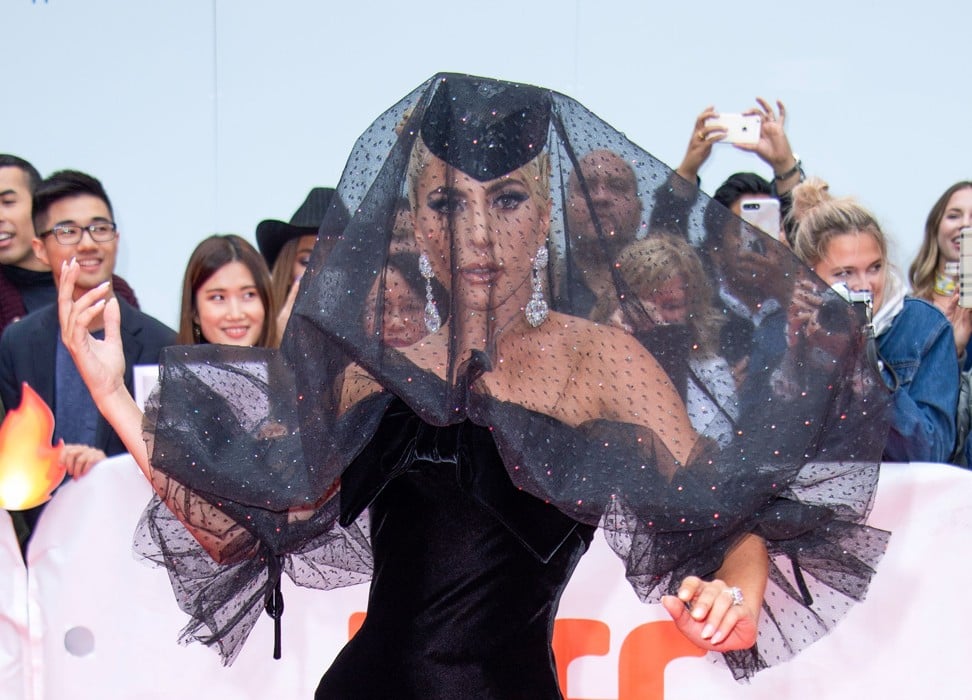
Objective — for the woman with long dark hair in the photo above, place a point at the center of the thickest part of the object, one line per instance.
(226, 295)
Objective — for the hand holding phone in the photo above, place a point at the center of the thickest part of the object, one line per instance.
(740, 128)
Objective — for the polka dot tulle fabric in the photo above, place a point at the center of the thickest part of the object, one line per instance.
(510, 260)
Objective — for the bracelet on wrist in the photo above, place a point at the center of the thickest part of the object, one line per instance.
(797, 168)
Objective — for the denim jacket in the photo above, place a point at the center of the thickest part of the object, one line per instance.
(920, 365)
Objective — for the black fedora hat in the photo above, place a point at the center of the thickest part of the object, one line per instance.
(271, 234)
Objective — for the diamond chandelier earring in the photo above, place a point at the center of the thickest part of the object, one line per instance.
(433, 322)
(537, 309)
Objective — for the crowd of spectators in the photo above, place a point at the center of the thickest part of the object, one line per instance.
(234, 294)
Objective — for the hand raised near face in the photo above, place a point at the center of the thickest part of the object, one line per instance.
(101, 363)
(958, 316)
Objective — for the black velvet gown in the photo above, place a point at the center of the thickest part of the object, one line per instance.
(460, 605)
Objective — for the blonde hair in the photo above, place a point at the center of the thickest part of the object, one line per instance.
(820, 217)
(648, 263)
(923, 269)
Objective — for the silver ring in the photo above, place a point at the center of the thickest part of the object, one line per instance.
(736, 594)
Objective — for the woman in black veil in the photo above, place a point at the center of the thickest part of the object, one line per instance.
(479, 459)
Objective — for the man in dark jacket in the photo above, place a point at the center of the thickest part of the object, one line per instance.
(73, 219)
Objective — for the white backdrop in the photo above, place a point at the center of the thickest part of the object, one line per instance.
(205, 116)
(90, 623)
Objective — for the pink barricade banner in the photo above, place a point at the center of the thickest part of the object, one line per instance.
(90, 621)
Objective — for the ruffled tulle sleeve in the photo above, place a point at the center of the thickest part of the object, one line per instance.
(811, 515)
(232, 510)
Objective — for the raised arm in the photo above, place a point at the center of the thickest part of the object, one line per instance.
(699, 148)
(101, 364)
(773, 147)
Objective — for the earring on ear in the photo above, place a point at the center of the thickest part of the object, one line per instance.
(197, 336)
(433, 322)
(537, 309)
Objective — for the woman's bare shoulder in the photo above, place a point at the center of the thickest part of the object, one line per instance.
(604, 337)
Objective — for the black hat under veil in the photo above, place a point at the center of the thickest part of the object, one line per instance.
(676, 437)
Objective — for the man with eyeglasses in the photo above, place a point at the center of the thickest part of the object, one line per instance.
(73, 219)
(25, 281)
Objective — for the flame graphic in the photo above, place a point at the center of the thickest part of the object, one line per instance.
(30, 469)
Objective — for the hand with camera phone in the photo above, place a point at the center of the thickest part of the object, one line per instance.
(773, 146)
(959, 315)
(739, 128)
(960, 318)
(804, 330)
(811, 319)
(708, 130)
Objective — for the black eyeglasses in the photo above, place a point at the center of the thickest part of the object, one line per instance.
(100, 232)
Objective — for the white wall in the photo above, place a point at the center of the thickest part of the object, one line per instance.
(208, 116)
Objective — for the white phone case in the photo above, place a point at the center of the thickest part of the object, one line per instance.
(740, 128)
(762, 213)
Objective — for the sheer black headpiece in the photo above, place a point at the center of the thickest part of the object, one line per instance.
(486, 128)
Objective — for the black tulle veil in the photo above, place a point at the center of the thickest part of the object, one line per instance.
(787, 447)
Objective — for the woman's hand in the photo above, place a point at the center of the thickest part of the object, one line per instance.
(805, 327)
(707, 614)
(700, 145)
(717, 615)
(79, 459)
(802, 317)
(101, 363)
(959, 317)
(773, 146)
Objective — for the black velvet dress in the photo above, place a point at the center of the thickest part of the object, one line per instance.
(460, 605)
